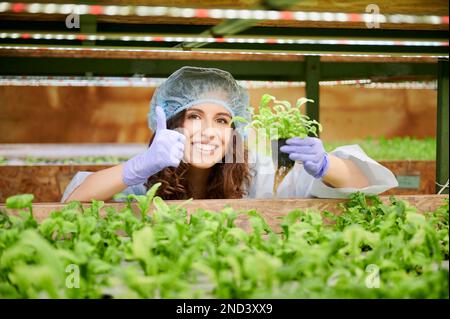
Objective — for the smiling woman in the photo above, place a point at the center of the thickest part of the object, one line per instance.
(199, 150)
(211, 141)
(204, 171)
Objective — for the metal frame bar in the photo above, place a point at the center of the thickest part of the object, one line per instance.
(312, 77)
(245, 70)
(88, 24)
(442, 133)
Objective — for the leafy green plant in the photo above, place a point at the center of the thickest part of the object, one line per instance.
(282, 120)
(397, 148)
(144, 201)
(159, 251)
(20, 202)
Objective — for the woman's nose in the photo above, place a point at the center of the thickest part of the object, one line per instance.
(209, 133)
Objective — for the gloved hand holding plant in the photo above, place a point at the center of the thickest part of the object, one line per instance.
(284, 124)
(311, 152)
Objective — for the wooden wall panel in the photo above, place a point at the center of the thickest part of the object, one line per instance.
(48, 182)
(349, 112)
(111, 114)
(425, 171)
(74, 114)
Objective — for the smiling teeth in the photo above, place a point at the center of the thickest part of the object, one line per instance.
(205, 147)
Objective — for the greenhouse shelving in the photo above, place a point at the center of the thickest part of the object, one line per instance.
(413, 53)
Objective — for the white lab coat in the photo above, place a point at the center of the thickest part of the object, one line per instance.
(297, 183)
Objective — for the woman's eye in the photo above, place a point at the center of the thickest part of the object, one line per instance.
(223, 121)
(193, 116)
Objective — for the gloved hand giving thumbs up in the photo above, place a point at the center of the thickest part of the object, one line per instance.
(167, 149)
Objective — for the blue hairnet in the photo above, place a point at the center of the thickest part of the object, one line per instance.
(191, 86)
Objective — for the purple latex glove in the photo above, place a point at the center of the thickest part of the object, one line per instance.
(167, 149)
(311, 152)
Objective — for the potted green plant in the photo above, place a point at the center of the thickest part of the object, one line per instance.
(280, 122)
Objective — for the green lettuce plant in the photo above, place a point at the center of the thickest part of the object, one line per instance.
(98, 251)
(282, 120)
(277, 121)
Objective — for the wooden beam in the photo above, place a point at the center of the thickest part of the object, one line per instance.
(223, 54)
(210, 22)
(417, 7)
(146, 53)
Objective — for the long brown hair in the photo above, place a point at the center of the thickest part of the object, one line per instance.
(226, 180)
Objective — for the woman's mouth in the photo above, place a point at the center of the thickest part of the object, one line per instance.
(205, 148)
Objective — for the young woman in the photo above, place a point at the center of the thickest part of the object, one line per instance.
(197, 151)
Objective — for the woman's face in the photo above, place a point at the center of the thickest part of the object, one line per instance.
(208, 132)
